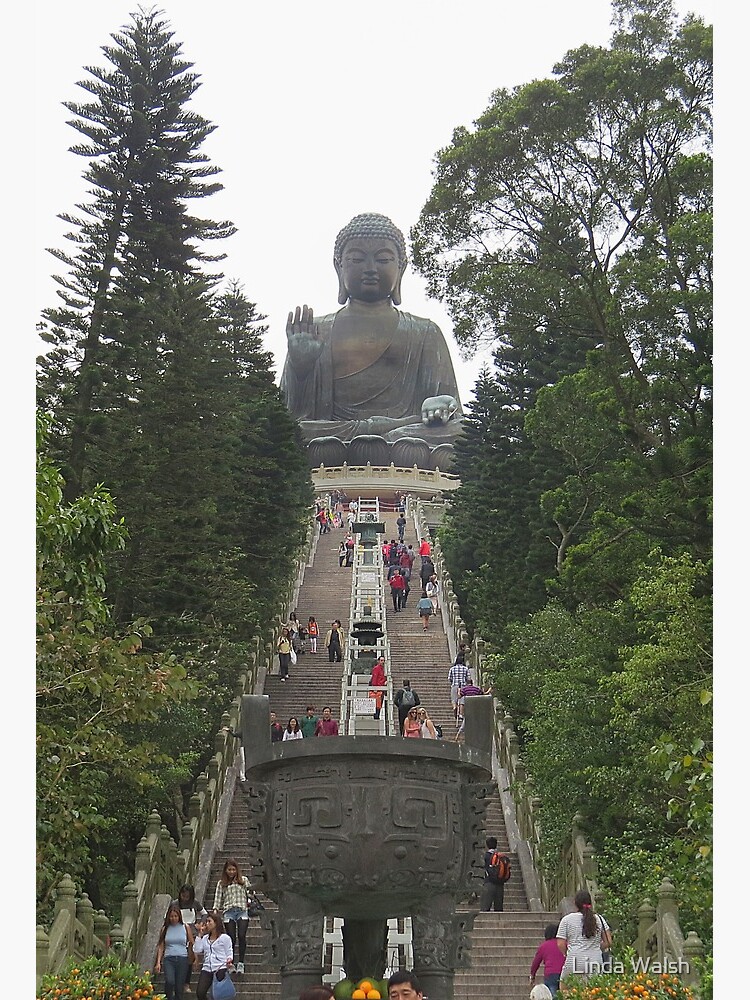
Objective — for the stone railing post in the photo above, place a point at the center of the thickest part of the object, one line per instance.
(66, 897)
(85, 917)
(666, 907)
(42, 954)
(117, 941)
(129, 929)
(646, 919)
(101, 929)
(693, 951)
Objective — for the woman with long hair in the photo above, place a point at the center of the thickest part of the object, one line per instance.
(426, 725)
(292, 731)
(412, 726)
(215, 945)
(230, 900)
(191, 909)
(172, 952)
(582, 936)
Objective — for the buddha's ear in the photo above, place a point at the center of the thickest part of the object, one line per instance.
(396, 293)
(343, 294)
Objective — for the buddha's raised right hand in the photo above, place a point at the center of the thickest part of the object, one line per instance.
(303, 338)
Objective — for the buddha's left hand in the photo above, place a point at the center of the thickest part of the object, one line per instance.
(438, 409)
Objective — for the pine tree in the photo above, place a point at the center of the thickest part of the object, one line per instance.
(145, 163)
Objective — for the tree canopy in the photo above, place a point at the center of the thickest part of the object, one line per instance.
(571, 227)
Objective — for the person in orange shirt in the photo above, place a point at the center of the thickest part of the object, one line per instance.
(424, 548)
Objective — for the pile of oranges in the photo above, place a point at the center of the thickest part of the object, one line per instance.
(365, 989)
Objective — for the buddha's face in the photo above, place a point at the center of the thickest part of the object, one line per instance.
(370, 268)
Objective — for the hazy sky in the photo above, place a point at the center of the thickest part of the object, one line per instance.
(322, 111)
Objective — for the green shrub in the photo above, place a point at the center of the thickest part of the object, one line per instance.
(98, 979)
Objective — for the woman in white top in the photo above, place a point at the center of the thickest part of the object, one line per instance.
(431, 589)
(426, 725)
(582, 936)
(292, 731)
(215, 945)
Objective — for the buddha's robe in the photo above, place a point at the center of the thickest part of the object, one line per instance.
(385, 395)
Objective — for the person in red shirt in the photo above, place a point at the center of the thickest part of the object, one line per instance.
(327, 726)
(398, 588)
(377, 679)
(424, 548)
(551, 957)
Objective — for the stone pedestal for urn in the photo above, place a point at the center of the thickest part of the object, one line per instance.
(366, 828)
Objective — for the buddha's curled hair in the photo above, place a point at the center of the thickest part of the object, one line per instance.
(370, 225)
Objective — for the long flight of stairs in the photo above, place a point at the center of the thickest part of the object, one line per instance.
(503, 944)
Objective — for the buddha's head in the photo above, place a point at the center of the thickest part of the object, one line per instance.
(370, 259)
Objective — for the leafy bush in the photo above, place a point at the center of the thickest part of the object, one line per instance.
(98, 979)
(640, 986)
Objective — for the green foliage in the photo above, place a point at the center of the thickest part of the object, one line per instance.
(571, 227)
(93, 680)
(104, 978)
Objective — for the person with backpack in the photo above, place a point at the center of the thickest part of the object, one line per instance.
(496, 874)
(405, 699)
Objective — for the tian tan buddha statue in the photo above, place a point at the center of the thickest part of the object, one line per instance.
(370, 383)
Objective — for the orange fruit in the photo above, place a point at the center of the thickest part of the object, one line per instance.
(365, 985)
(359, 995)
(373, 995)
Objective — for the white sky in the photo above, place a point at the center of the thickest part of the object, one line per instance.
(323, 111)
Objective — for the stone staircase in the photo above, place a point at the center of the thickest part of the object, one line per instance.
(503, 944)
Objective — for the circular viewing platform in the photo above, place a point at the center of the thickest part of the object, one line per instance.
(383, 479)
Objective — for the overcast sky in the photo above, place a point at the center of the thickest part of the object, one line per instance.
(322, 111)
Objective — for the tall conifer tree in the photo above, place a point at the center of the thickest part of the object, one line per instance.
(143, 147)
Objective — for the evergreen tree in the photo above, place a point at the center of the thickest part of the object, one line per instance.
(145, 163)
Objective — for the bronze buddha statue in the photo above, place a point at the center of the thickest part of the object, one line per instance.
(369, 382)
